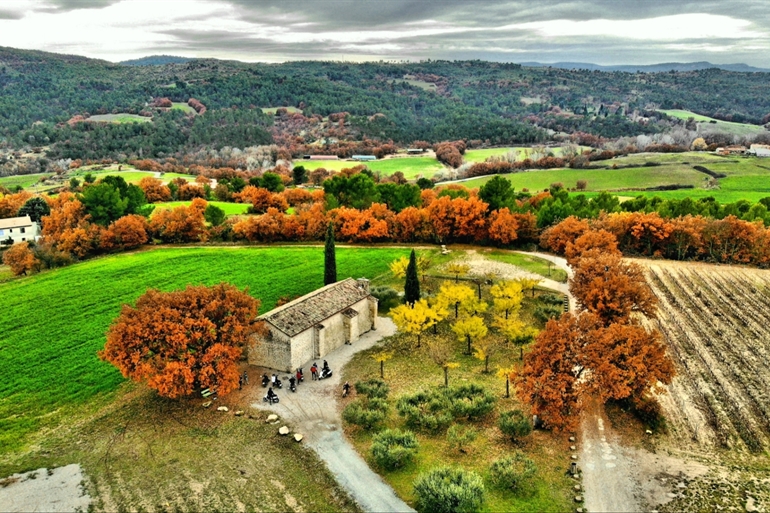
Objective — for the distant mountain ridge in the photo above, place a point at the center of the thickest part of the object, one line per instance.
(651, 68)
(155, 60)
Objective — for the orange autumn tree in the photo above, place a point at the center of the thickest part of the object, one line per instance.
(154, 190)
(558, 236)
(607, 286)
(577, 355)
(182, 341)
(596, 241)
(127, 232)
(20, 259)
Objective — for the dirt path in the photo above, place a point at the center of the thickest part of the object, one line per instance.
(607, 476)
(313, 411)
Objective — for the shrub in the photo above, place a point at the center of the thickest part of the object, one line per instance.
(387, 298)
(428, 410)
(460, 438)
(514, 424)
(470, 401)
(393, 448)
(552, 299)
(373, 388)
(448, 490)
(365, 415)
(546, 312)
(511, 471)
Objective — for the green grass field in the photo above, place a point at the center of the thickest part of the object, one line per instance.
(523, 152)
(22, 180)
(272, 110)
(747, 177)
(598, 179)
(119, 118)
(53, 323)
(707, 125)
(412, 167)
(231, 209)
(183, 107)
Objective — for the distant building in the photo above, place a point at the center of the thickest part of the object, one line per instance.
(320, 157)
(364, 158)
(18, 229)
(314, 325)
(732, 150)
(413, 151)
(758, 152)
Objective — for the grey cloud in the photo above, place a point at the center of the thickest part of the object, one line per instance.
(10, 15)
(71, 5)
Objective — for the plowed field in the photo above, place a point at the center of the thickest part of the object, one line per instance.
(716, 321)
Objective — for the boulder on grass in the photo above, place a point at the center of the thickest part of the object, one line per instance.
(283, 430)
(271, 418)
(298, 437)
(223, 408)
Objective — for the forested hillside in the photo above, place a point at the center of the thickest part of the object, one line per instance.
(495, 103)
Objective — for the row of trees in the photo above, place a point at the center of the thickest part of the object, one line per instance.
(603, 350)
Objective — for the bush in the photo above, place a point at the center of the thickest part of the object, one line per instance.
(373, 388)
(546, 312)
(460, 438)
(393, 448)
(470, 401)
(387, 298)
(449, 490)
(552, 299)
(511, 471)
(428, 410)
(365, 415)
(514, 424)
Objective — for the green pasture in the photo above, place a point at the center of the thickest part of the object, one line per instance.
(523, 152)
(22, 180)
(747, 177)
(273, 110)
(182, 106)
(412, 167)
(598, 179)
(231, 209)
(120, 118)
(707, 125)
(53, 323)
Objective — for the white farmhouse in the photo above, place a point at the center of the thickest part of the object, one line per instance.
(18, 229)
(314, 325)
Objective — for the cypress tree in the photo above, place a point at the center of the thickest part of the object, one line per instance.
(330, 258)
(412, 285)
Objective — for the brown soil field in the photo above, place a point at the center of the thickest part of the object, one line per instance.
(716, 323)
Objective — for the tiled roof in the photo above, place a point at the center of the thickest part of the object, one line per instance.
(307, 311)
(15, 222)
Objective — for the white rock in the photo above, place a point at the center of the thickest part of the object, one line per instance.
(223, 408)
(283, 430)
(298, 437)
(271, 418)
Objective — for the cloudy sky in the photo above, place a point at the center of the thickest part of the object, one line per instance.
(597, 31)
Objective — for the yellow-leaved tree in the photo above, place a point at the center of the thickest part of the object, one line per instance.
(457, 269)
(470, 328)
(487, 347)
(398, 266)
(415, 319)
(382, 357)
(507, 296)
(452, 295)
(529, 284)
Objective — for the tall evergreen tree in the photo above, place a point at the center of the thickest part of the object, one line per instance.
(412, 285)
(330, 257)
